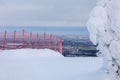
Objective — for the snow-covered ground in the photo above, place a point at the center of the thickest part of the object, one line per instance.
(33, 64)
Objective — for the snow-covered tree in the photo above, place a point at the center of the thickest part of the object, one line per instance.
(104, 28)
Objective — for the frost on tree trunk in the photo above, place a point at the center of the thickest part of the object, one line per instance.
(104, 28)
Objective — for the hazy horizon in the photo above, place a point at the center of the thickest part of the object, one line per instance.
(49, 30)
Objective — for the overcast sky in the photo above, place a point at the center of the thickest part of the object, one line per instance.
(45, 12)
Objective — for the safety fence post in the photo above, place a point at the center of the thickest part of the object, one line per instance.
(30, 39)
(14, 41)
(37, 38)
(56, 41)
(60, 48)
(23, 38)
(4, 39)
(50, 43)
(44, 40)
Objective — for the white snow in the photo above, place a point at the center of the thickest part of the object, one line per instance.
(104, 29)
(30, 52)
(35, 64)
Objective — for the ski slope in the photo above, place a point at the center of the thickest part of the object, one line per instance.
(33, 64)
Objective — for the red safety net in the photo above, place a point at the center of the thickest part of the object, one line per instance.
(23, 39)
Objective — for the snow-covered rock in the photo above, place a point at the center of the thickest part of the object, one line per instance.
(104, 28)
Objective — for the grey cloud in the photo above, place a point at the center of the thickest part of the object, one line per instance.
(48, 12)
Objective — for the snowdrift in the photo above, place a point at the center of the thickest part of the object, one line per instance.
(45, 64)
(31, 52)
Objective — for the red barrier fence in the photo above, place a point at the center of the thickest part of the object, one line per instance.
(17, 40)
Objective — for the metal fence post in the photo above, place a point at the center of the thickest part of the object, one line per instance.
(37, 37)
(50, 43)
(14, 41)
(56, 42)
(60, 48)
(30, 39)
(4, 39)
(23, 38)
(44, 40)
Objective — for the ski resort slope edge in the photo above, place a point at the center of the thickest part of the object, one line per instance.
(33, 64)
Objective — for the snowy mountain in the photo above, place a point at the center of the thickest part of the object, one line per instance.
(104, 29)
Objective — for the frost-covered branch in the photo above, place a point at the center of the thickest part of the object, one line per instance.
(104, 29)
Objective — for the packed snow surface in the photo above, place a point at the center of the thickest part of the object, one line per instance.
(33, 64)
(30, 53)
